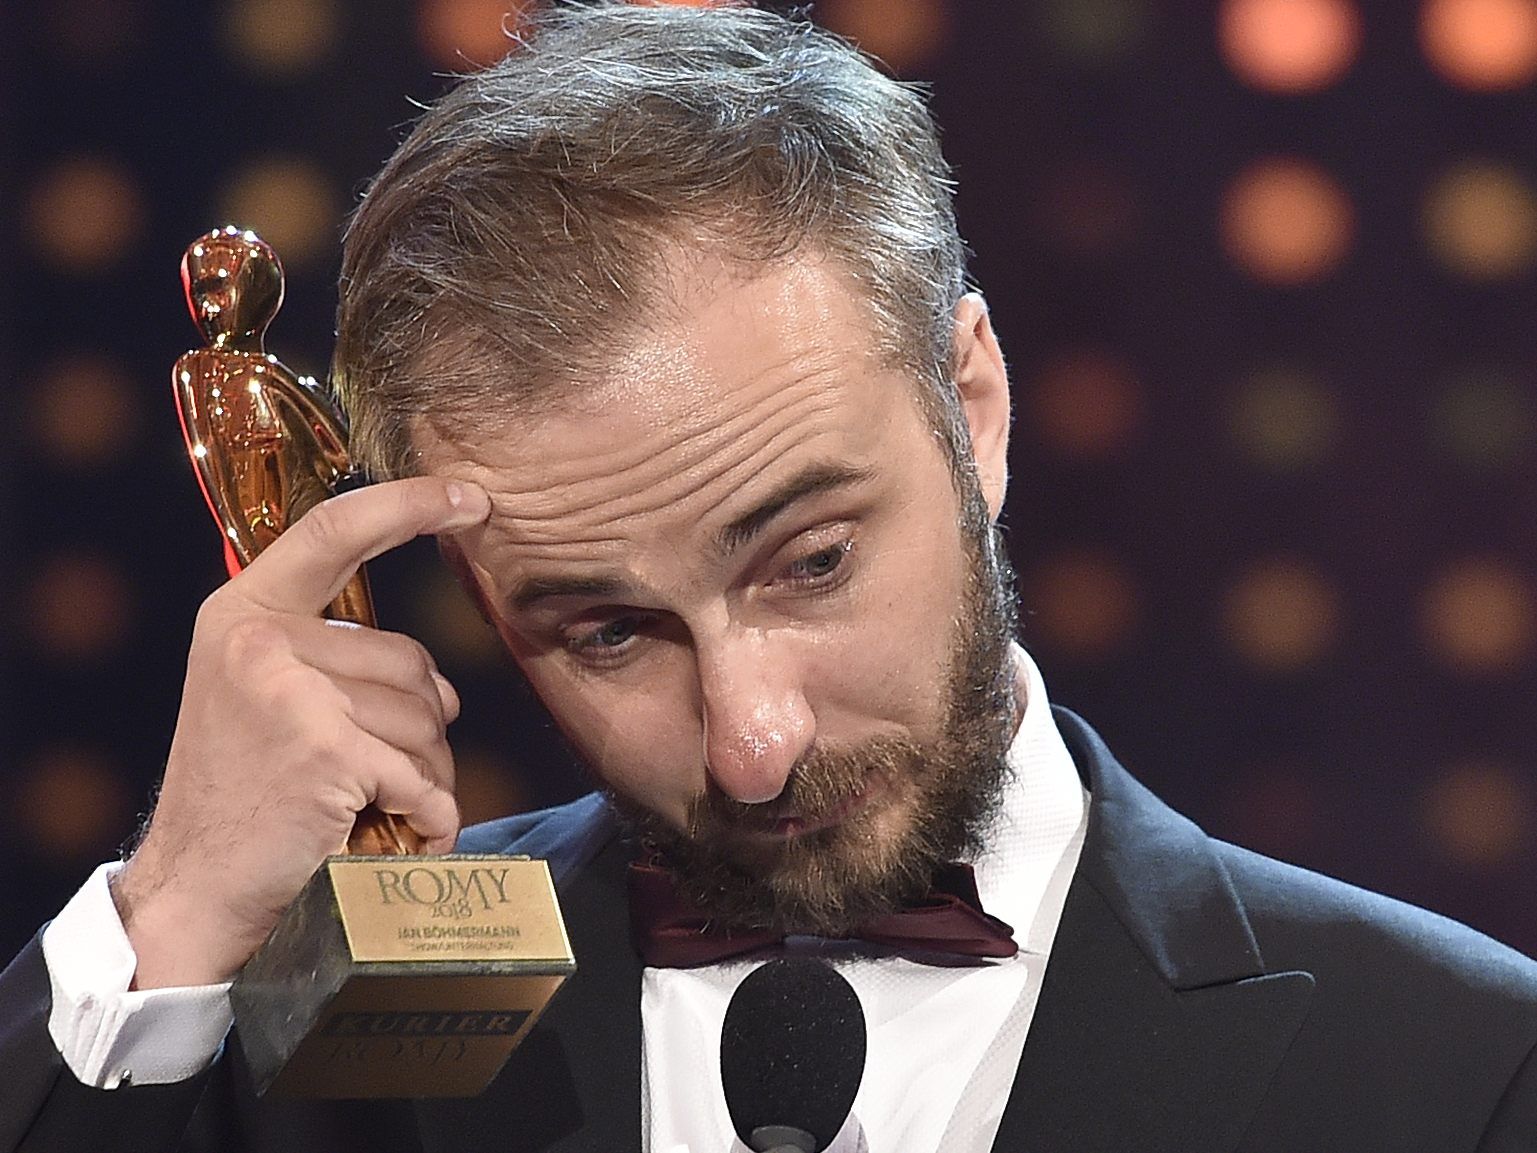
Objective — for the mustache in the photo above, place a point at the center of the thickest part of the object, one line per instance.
(818, 783)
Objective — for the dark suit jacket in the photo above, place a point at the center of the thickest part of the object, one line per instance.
(1198, 998)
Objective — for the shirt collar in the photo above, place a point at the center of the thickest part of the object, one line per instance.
(1041, 817)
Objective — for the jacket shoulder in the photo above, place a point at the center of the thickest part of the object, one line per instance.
(1421, 1031)
(1306, 920)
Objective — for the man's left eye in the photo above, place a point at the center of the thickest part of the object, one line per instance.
(606, 642)
(821, 564)
(615, 634)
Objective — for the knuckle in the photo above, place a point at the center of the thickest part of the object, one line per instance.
(327, 732)
(410, 664)
(303, 694)
(419, 664)
(253, 639)
(219, 609)
(427, 725)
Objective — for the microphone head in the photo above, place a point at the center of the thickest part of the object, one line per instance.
(792, 1050)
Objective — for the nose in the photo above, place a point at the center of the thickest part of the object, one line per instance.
(757, 723)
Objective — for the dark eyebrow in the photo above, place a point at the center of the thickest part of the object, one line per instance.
(530, 592)
(817, 478)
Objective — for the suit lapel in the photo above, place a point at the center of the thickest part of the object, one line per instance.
(1117, 1059)
(1158, 1027)
(574, 1082)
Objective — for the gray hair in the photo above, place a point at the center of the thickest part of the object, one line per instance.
(517, 234)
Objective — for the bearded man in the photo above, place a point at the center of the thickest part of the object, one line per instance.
(661, 327)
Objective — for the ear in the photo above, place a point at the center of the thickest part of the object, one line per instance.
(982, 382)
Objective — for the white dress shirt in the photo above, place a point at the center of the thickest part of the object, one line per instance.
(944, 1038)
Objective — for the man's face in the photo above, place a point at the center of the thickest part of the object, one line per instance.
(734, 570)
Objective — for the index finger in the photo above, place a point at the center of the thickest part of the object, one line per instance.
(304, 569)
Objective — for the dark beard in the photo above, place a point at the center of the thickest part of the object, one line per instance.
(829, 881)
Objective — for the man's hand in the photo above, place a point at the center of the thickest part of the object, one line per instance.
(289, 725)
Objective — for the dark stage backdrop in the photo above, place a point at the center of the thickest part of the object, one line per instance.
(1264, 273)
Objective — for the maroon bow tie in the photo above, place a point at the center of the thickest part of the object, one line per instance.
(672, 933)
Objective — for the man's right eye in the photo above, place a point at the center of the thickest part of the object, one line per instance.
(608, 639)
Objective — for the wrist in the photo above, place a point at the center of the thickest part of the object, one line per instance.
(176, 937)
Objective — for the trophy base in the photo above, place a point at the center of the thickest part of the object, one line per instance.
(401, 976)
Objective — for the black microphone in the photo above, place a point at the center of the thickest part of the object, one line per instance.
(792, 1054)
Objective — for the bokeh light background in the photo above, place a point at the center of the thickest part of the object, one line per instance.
(1264, 270)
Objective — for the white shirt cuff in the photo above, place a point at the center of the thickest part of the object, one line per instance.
(107, 1034)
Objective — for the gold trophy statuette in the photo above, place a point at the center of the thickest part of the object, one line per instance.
(392, 974)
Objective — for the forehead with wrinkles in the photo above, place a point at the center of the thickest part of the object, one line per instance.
(736, 376)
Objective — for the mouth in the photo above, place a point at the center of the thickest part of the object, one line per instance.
(791, 825)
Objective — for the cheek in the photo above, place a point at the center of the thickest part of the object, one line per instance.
(892, 664)
(637, 743)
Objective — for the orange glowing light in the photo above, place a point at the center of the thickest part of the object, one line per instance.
(84, 411)
(1289, 45)
(468, 34)
(1282, 615)
(1286, 221)
(1479, 814)
(1479, 616)
(81, 607)
(281, 37)
(1086, 404)
(906, 34)
(1481, 222)
(1081, 602)
(1487, 45)
(73, 803)
(289, 202)
(85, 214)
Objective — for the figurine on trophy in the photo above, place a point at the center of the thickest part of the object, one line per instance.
(267, 444)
